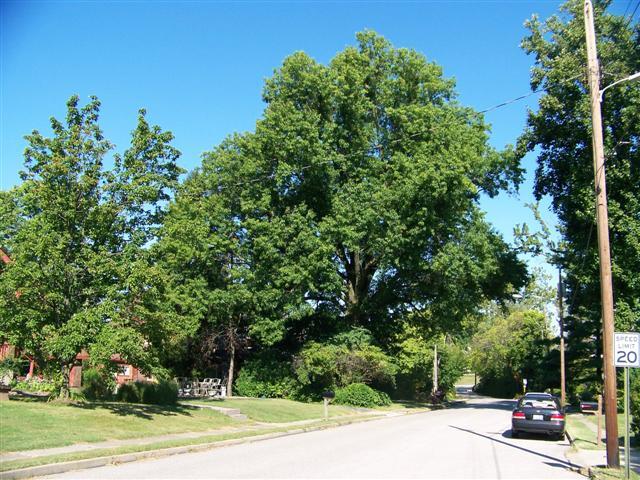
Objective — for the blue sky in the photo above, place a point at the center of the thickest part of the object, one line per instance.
(198, 66)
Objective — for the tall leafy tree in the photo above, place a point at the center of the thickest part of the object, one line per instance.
(355, 199)
(560, 131)
(76, 234)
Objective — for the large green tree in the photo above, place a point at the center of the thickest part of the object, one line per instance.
(353, 202)
(76, 233)
(560, 132)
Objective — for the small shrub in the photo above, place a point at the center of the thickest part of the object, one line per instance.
(361, 395)
(634, 394)
(35, 385)
(165, 392)
(95, 386)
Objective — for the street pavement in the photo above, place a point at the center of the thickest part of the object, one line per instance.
(469, 441)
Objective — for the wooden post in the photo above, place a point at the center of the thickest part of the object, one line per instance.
(599, 438)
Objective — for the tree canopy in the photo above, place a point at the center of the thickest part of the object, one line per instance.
(76, 232)
(353, 203)
(560, 131)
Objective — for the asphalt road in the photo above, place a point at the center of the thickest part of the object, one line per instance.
(468, 442)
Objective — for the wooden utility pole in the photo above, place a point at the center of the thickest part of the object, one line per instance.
(563, 390)
(606, 288)
(435, 369)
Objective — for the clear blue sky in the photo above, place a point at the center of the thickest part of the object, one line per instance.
(198, 66)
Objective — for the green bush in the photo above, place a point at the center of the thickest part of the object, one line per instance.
(361, 395)
(634, 394)
(95, 386)
(35, 385)
(344, 360)
(165, 392)
(266, 376)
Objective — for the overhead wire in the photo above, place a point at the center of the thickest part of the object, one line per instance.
(392, 142)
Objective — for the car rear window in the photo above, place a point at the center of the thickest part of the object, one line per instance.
(543, 403)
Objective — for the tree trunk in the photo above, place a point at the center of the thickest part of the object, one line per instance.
(232, 361)
(66, 375)
(359, 271)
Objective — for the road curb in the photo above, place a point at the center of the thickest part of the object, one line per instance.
(55, 468)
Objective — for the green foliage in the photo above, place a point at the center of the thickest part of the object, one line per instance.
(361, 395)
(509, 348)
(414, 356)
(9, 367)
(164, 392)
(35, 385)
(265, 376)
(77, 236)
(559, 131)
(353, 201)
(634, 391)
(97, 384)
(324, 365)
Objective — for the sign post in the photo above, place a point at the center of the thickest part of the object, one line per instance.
(626, 350)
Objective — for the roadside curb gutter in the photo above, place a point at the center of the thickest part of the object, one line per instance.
(55, 468)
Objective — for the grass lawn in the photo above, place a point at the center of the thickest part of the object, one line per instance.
(611, 474)
(276, 410)
(467, 379)
(583, 428)
(28, 425)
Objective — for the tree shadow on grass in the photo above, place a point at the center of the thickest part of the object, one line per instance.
(137, 410)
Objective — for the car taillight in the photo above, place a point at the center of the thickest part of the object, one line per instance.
(557, 416)
(518, 415)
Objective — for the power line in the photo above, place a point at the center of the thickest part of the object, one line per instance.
(627, 9)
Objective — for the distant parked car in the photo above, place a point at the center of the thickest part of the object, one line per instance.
(589, 406)
(538, 413)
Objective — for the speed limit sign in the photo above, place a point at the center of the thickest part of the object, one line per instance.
(626, 348)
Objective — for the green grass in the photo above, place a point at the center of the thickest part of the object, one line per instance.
(582, 429)
(467, 379)
(406, 405)
(612, 474)
(277, 410)
(32, 425)
(104, 452)
(204, 440)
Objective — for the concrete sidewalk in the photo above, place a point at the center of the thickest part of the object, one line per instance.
(255, 432)
(86, 447)
(598, 458)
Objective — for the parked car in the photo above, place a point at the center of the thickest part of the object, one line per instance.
(538, 413)
(589, 406)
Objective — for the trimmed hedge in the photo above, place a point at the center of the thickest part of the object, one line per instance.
(361, 395)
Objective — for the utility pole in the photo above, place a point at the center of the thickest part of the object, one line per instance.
(435, 369)
(563, 391)
(606, 288)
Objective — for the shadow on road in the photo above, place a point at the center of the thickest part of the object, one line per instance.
(554, 462)
(486, 405)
